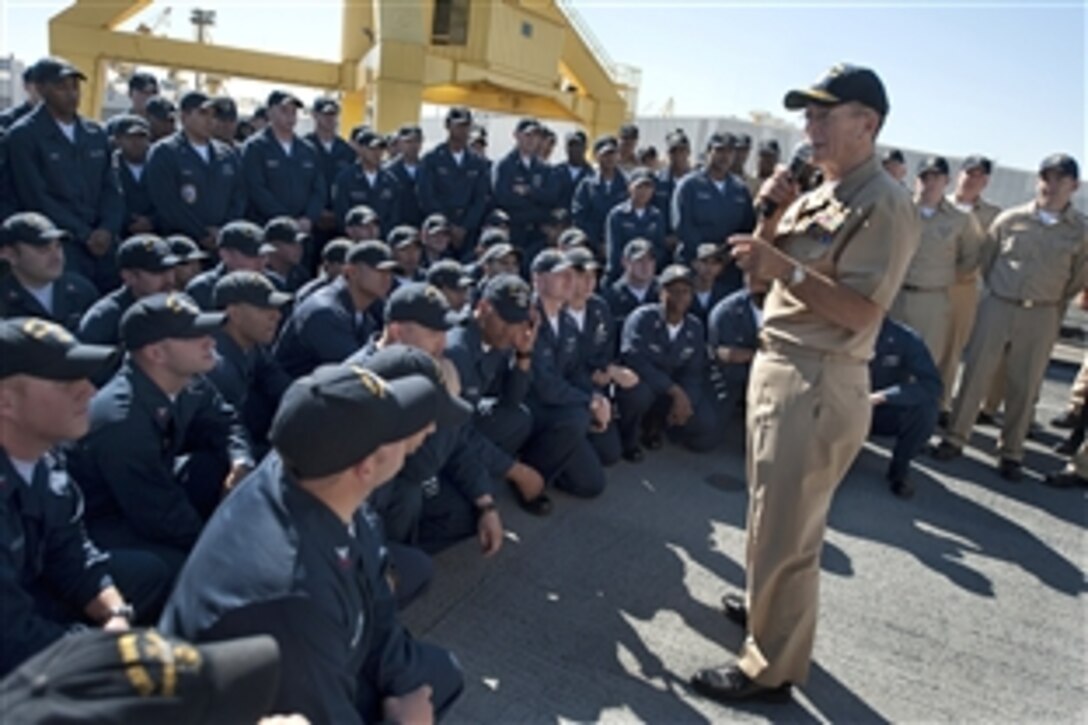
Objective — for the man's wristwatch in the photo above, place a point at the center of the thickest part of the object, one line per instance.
(485, 508)
(124, 611)
(797, 275)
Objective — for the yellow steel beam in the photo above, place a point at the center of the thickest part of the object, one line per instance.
(100, 13)
(357, 36)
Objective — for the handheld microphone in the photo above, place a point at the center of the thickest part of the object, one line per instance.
(800, 161)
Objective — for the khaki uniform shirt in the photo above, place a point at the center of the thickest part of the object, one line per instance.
(951, 240)
(1024, 259)
(866, 226)
(753, 182)
(985, 213)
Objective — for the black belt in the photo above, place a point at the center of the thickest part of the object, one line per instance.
(916, 288)
(1026, 304)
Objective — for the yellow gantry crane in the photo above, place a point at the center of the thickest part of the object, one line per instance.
(523, 57)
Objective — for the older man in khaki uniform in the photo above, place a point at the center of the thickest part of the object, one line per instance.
(1034, 261)
(963, 294)
(837, 259)
(949, 248)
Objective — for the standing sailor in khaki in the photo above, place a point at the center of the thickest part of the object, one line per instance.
(838, 256)
(963, 294)
(1034, 261)
(949, 248)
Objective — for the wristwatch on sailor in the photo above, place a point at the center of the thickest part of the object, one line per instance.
(797, 275)
(125, 611)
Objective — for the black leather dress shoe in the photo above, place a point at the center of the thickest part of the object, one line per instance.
(653, 441)
(943, 419)
(729, 684)
(1011, 470)
(735, 609)
(1066, 420)
(634, 455)
(902, 487)
(945, 451)
(985, 418)
(1065, 479)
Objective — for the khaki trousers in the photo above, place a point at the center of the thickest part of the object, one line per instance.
(927, 313)
(1079, 464)
(963, 302)
(1079, 392)
(807, 419)
(1022, 340)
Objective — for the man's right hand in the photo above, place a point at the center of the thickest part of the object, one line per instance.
(414, 708)
(99, 242)
(681, 410)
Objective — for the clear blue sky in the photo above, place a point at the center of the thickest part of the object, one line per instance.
(1003, 78)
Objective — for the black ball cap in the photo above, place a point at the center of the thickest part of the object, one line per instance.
(423, 304)
(224, 108)
(30, 227)
(448, 274)
(336, 251)
(499, 251)
(576, 137)
(721, 139)
(245, 237)
(143, 676)
(894, 155)
(146, 252)
(510, 296)
(372, 253)
(284, 229)
(769, 147)
(843, 83)
(54, 70)
(400, 361)
(628, 131)
(581, 259)
(409, 131)
(676, 140)
(637, 248)
(368, 138)
(43, 349)
(308, 429)
(977, 161)
(185, 249)
(359, 215)
(497, 218)
(549, 261)
(493, 236)
(708, 250)
(573, 237)
(248, 288)
(675, 273)
(1064, 164)
(169, 316)
(161, 108)
(744, 141)
(279, 98)
(641, 175)
(403, 235)
(142, 81)
(458, 116)
(193, 100)
(528, 125)
(933, 165)
(326, 105)
(129, 124)
(604, 145)
(436, 223)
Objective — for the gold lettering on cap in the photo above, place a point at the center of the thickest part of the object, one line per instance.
(136, 673)
(41, 329)
(370, 381)
(181, 305)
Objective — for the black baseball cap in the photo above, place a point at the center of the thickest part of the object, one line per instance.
(894, 155)
(30, 227)
(185, 249)
(933, 165)
(161, 108)
(143, 676)
(141, 81)
(43, 349)
(510, 296)
(744, 141)
(336, 251)
(478, 135)
(193, 100)
(359, 215)
(167, 316)
(675, 273)
(397, 361)
(1064, 164)
(578, 137)
(677, 139)
(423, 304)
(573, 237)
(628, 130)
(581, 259)
(284, 229)
(708, 250)
(278, 98)
(403, 235)
(409, 131)
(146, 252)
(843, 83)
(129, 124)
(497, 218)
(371, 253)
(641, 175)
(368, 138)
(448, 274)
(721, 139)
(250, 288)
(308, 429)
(245, 237)
(493, 236)
(458, 115)
(53, 70)
(637, 248)
(769, 147)
(260, 112)
(436, 223)
(978, 161)
(498, 251)
(604, 145)
(326, 105)
(549, 261)
(224, 108)
(528, 125)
